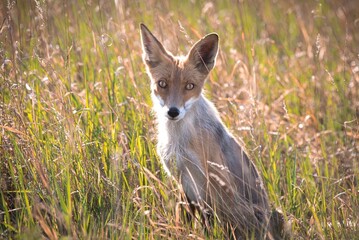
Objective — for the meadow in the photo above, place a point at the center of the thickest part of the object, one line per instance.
(77, 135)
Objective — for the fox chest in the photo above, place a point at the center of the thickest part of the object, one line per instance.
(174, 154)
(177, 152)
(189, 160)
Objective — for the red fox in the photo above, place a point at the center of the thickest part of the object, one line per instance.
(194, 145)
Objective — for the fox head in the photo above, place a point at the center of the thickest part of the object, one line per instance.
(177, 82)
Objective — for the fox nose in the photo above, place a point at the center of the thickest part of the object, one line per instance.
(173, 112)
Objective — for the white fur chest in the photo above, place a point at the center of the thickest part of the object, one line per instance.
(172, 146)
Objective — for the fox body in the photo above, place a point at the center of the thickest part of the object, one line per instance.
(193, 143)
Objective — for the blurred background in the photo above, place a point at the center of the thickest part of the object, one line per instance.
(77, 138)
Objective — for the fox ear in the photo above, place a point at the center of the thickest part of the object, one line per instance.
(203, 54)
(153, 51)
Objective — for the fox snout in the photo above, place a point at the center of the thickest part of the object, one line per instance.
(173, 113)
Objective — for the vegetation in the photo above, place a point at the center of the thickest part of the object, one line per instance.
(77, 138)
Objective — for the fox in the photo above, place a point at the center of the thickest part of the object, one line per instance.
(217, 176)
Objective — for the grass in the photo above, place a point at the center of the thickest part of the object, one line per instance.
(77, 138)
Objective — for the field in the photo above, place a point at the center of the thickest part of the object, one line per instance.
(77, 135)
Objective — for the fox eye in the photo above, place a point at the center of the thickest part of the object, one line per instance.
(162, 83)
(189, 86)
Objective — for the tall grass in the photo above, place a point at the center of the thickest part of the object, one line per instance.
(77, 140)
